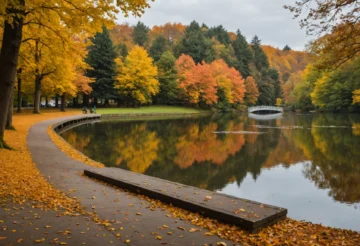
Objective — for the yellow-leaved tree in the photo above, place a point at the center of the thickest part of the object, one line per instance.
(76, 16)
(137, 78)
(356, 96)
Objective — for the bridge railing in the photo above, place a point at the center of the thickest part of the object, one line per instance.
(265, 108)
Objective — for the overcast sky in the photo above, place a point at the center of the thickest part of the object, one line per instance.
(265, 18)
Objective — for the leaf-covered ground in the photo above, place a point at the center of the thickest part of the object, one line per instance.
(21, 182)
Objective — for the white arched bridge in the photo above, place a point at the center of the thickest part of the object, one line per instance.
(264, 109)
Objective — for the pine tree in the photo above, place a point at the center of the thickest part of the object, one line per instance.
(220, 34)
(167, 78)
(140, 34)
(195, 44)
(101, 58)
(121, 50)
(259, 57)
(286, 48)
(242, 54)
(158, 47)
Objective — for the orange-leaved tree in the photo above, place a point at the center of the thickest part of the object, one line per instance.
(196, 82)
(252, 91)
(229, 81)
(137, 78)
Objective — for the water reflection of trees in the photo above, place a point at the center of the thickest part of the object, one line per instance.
(335, 156)
(187, 150)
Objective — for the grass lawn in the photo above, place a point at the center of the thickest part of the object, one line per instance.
(149, 110)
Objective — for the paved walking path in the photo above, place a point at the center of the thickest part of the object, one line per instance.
(133, 219)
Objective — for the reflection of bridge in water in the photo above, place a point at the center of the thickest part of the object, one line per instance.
(265, 116)
(265, 112)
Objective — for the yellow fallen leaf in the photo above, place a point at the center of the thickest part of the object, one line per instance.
(118, 235)
(138, 213)
(3, 238)
(181, 228)
(194, 230)
(127, 241)
(221, 244)
(39, 240)
(207, 198)
(63, 243)
(158, 237)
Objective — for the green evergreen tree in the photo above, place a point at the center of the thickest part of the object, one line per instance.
(121, 50)
(101, 58)
(167, 78)
(286, 48)
(269, 87)
(195, 44)
(242, 53)
(140, 34)
(259, 57)
(220, 34)
(274, 75)
(158, 47)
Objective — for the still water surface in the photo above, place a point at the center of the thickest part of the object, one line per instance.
(309, 164)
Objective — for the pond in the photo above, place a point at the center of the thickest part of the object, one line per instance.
(309, 163)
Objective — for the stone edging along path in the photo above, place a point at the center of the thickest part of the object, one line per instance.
(249, 215)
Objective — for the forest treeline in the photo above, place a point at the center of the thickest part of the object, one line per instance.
(175, 64)
(172, 64)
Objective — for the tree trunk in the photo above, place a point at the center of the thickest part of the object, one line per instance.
(9, 125)
(118, 103)
(63, 98)
(56, 101)
(19, 96)
(84, 100)
(47, 101)
(9, 55)
(95, 101)
(37, 94)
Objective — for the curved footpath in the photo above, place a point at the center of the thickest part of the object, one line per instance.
(133, 219)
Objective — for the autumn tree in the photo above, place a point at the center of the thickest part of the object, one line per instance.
(196, 82)
(171, 31)
(122, 34)
(337, 22)
(140, 34)
(231, 88)
(168, 90)
(137, 77)
(101, 59)
(252, 91)
(333, 91)
(74, 16)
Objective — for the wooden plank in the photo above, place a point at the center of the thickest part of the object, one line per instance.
(249, 215)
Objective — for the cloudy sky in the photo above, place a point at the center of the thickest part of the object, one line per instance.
(265, 18)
